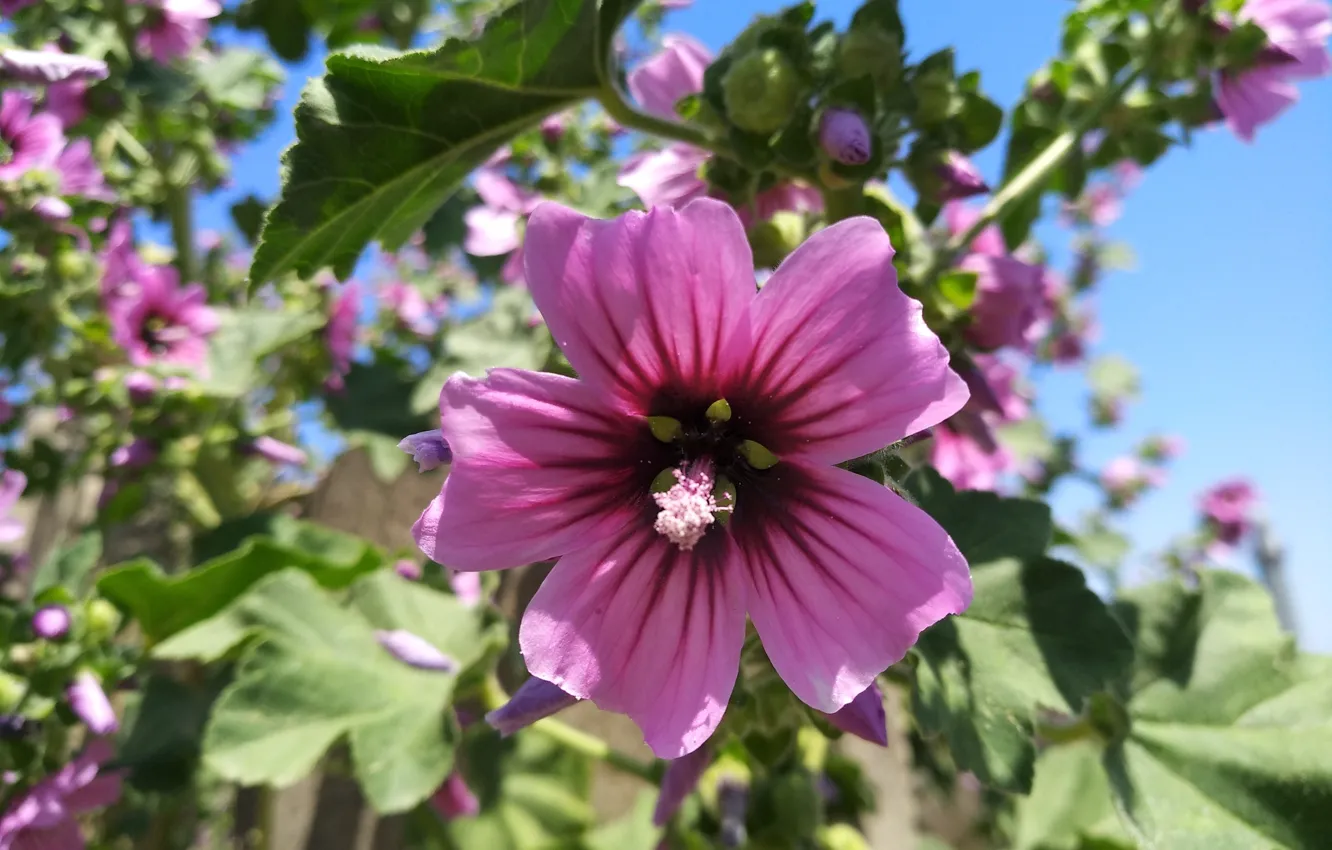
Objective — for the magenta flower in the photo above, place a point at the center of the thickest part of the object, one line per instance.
(1228, 508)
(686, 479)
(970, 461)
(340, 332)
(961, 178)
(51, 622)
(122, 270)
(864, 717)
(994, 389)
(1009, 300)
(89, 702)
(534, 699)
(46, 816)
(175, 27)
(12, 484)
(9, 7)
(1125, 478)
(415, 651)
(276, 451)
(47, 66)
(80, 175)
(673, 176)
(34, 141)
(137, 453)
(492, 229)
(845, 137)
(65, 101)
(409, 306)
(1298, 31)
(428, 449)
(163, 322)
(408, 569)
(959, 218)
(454, 799)
(467, 587)
(552, 127)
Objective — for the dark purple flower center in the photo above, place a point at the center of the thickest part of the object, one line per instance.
(158, 333)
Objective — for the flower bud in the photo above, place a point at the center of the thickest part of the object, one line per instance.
(760, 90)
(12, 689)
(871, 51)
(141, 386)
(276, 451)
(960, 178)
(845, 137)
(681, 777)
(454, 799)
(534, 700)
(864, 717)
(415, 651)
(467, 587)
(101, 619)
(428, 449)
(772, 240)
(51, 622)
(90, 703)
(408, 569)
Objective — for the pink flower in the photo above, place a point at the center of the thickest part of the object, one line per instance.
(65, 101)
(673, 176)
(1009, 300)
(51, 622)
(1298, 31)
(454, 799)
(122, 269)
(12, 484)
(1125, 477)
(175, 27)
(994, 389)
(408, 569)
(46, 816)
(90, 703)
(493, 229)
(276, 451)
(34, 141)
(969, 462)
(678, 782)
(340, 332)
(1163, 447)
(959, 218)
(845, 137)
(79, 174)
(163, 322)
(409, 306)
(1228, 508)
(133, 455)
(415, 651)
(534, 700)
(864, 717)
(467, 587)
(644, 613)
(47, 66)
(1099, 206)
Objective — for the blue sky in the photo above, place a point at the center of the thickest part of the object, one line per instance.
(1228, 311)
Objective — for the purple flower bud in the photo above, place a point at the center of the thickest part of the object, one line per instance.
(89, 702)
(681, 777)
(961, 178)
(139, 453)
(51, 622)
(276, 451)
(864, 717)
(534, 699)
(415, 651)
(408, 569)
(733, 801)
(454, 799)
(42, 67)
(141, 386)
(428, 449)
(845, 136)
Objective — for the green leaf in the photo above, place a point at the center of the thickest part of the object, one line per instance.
(1069, 801)
(1231, 740)
(959, 288)
(69, 565)
(237, 78)
(242, 339)
(383, 140)
(164, 605)
(1027, 440)
(1102, 546)
(285, 23)
(1034, 636)
(377, 398)
(317, 674)
(329, 545)
(248, 215)
(985, 526)
(164, 733)
(633, 831)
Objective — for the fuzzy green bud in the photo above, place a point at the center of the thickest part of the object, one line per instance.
(12, 689)
(101, 619)
(773, 239)
(840, 836)
(873, 52)
(761, 90)
(71, 265)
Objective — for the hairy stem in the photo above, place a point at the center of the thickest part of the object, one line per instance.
(627, 115)
(843, 203)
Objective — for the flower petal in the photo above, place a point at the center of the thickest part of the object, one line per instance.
(538, 469)
(643, 628)
(843, 576)
(644, 304)
(490, 232)
(666, 178)
(842, 363)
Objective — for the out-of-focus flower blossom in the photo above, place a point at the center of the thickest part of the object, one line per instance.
(408, 569)
(51, 622)
(122, 270)
(968, 463)
(1125, 478)
(1228, 508)
(466, 586)
(415, 651)
(787, 381)
(454, 799)
(90, 703)
(34, 140)
(163, 322)
(276, 451)
(44, 67)
(45, 817)
(340, 332)
(1008, 300)
(408, 306)
(174, 28)
(12, 484)
(1298, 31)
(961, 178)
(1163, 447)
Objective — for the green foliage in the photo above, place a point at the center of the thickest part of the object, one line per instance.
(163, 731)
(383, 140)
(315, 674)
(245, 337)
(985, 526)
(376, 398)
(69, 566)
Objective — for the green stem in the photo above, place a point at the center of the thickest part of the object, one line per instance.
(593, 747)
(181, 213)
(843, 203)
(618, 108)
(1036, 172)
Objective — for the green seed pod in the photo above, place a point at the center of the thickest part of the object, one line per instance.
(840, 836)
(871, 51)
(773, 239)
(761, 90)
(102, 619)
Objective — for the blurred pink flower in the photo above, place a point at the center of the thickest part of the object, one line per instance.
(340, 332)
(45, 817)
(90, 703)
(12, 484)
(1228, 508)
(163, 322)
(961, 178)
(1298, 31)
(175, 27)
(34, 141)
(454, 799)
(967, 462)
(1126, 477)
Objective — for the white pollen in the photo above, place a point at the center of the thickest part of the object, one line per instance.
(687, 508)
